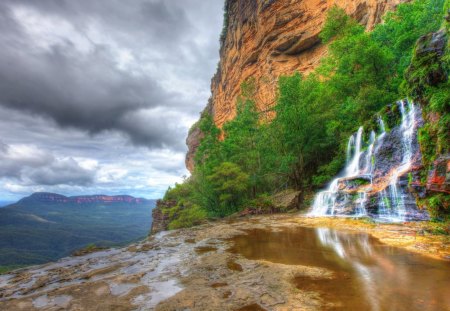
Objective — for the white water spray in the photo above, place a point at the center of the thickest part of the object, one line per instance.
(353, 167)
(391, 203)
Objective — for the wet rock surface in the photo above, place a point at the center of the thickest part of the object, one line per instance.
(160, 220)
(196, 269)
(382, 177)
(439, 176)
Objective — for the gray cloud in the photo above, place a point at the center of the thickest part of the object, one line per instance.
(33, 166)
(65, 172)
(97, 96)
(108, 62)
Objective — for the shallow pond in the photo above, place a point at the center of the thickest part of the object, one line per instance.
(368, 275)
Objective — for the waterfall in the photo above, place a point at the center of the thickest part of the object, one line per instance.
(368, 161)
(324, 202)
(381, 125)
(392, 203)
(349, 193)
(353, 167)
(361, 203)
(350, 144)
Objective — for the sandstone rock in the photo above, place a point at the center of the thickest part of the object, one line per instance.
(427, 67)
(267, 39)
(286, 200)
(439, 177)
(160, 221)
(193, 141)
(352, 184)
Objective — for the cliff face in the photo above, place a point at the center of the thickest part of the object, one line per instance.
(265, 39)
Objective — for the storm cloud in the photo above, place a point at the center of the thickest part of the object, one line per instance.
(99, 95)
(105, 65)
(31, 166)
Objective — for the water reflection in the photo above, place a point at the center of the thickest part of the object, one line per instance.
(368, 275)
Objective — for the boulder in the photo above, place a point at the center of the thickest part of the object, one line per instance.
(285, 200)
(427, 67)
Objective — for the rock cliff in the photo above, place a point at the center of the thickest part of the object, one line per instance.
(264, 39)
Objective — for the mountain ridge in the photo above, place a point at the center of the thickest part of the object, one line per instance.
(47, 226)
(49, 198)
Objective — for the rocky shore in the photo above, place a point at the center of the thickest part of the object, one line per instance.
(196, 269)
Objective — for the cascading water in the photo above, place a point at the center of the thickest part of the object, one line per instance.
(367, 178)
(353, 167)
(325, 201)
(382, 126)
(392, 206)
(368, 161)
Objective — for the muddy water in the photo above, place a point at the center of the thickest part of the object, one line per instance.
(367, 275)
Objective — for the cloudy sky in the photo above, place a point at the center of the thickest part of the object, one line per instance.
(96, 96)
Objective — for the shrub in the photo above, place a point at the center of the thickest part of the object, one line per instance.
(188, 217)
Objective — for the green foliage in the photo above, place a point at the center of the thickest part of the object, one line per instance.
(327, 171)
(208, 154)
(301, 129)
(262, 202)
(427, 143)
(188, 217)
(36, 233)
(223, 34)
(438, 228)
(248, 88)
(229, 183)
(241, 143)
(440, 98)
(402, 28)
(177, 192)
(360, 181)
(6, 269)
(438, 206)
(303, 146)
(339, 24)
(426, 80)
(410, 179)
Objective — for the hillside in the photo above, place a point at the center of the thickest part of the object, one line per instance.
(46, 226)
(364, 122)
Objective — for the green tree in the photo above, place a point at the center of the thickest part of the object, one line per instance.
(241, 139)
(230, 183)
(301, 128)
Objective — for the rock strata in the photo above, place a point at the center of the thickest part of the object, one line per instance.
(266, 39)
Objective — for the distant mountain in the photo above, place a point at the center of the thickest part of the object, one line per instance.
(47, 226)
(5, 203)
(53, 198)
